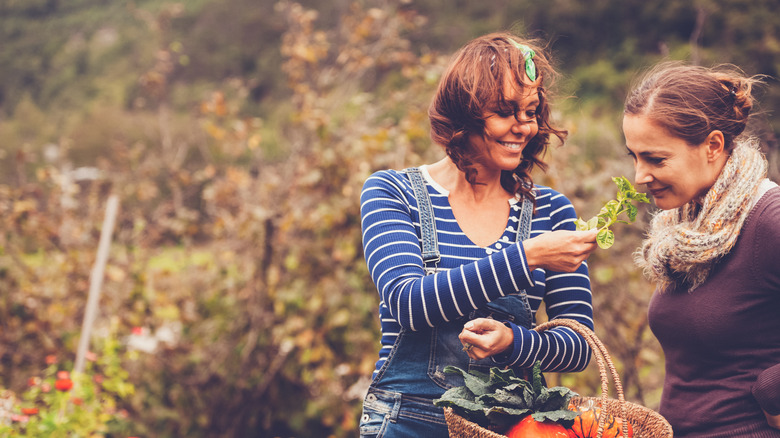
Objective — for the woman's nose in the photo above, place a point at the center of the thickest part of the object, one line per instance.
(523, 127)
(641, 176)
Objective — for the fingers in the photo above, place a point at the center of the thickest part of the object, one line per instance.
(474, 350)
(590, 235)
(588, 245)
(480, 325)
(584, 241)
(484, 337)
(562, 251)
(468, 339)
(473, 334)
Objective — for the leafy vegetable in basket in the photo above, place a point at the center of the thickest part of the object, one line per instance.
(499, 400)
(626, 196)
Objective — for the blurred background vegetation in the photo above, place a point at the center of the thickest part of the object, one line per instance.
(237, 135)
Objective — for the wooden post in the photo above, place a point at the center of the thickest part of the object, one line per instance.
(96, 281)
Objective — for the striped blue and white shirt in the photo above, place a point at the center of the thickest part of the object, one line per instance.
(469, 275)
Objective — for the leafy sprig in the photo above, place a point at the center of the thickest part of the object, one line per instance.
(500, 399)
(627, 196)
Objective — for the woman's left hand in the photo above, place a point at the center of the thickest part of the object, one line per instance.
(486, 337)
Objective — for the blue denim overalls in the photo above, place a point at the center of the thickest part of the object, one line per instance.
(399, 402)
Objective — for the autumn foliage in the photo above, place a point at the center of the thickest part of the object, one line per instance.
(236, 276)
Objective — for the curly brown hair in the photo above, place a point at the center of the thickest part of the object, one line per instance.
(475, 82)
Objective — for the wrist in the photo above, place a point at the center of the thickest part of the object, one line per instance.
(510, 354)
(508, 338)
(530, 247)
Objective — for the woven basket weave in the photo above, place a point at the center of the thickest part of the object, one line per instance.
(645, 422)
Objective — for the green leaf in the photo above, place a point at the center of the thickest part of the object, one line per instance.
(632, 212)
(556, 396)
(477, 382)
(502, 399)
(559, 416)
(608, 215)
(612, 207)
(537, 378)
(640, 197)
(458, 393)
(624, 185)
(505, 417)
(518, 388)
(460, 399)
(605, 238)
(529, 396)
(502, 377)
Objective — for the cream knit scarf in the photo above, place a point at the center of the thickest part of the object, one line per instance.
(684, 243)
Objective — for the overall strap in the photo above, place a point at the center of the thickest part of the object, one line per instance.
(430, 246)
(524, 222)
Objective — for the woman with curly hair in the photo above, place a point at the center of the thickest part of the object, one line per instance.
(465, 250)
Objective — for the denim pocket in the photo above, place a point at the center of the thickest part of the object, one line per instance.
(372, 423)
(376, 414)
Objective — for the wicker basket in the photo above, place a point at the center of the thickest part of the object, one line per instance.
(645, 422)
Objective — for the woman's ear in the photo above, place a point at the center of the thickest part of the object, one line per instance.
(715, 143)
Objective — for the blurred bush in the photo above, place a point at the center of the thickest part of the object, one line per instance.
(61, 404)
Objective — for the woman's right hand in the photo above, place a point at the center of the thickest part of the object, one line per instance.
(562, 251)
(773, 420)
(765, 392)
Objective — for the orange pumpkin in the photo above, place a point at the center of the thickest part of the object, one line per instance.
(530, 428)
(586, 425)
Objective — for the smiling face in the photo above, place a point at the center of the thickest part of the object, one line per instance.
(509, 126)
(674, 172)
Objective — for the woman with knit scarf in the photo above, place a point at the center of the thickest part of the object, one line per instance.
(713, 250)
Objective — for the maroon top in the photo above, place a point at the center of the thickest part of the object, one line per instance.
(722, 341)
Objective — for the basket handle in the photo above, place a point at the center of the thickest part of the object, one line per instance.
(604, 362)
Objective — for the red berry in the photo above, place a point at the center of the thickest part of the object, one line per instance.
(63, 384)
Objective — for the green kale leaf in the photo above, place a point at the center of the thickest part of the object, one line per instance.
(500, 399)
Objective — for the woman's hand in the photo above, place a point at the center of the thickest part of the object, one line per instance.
(562, 251)
(765, 392)
(486, 337)
(773, 420)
